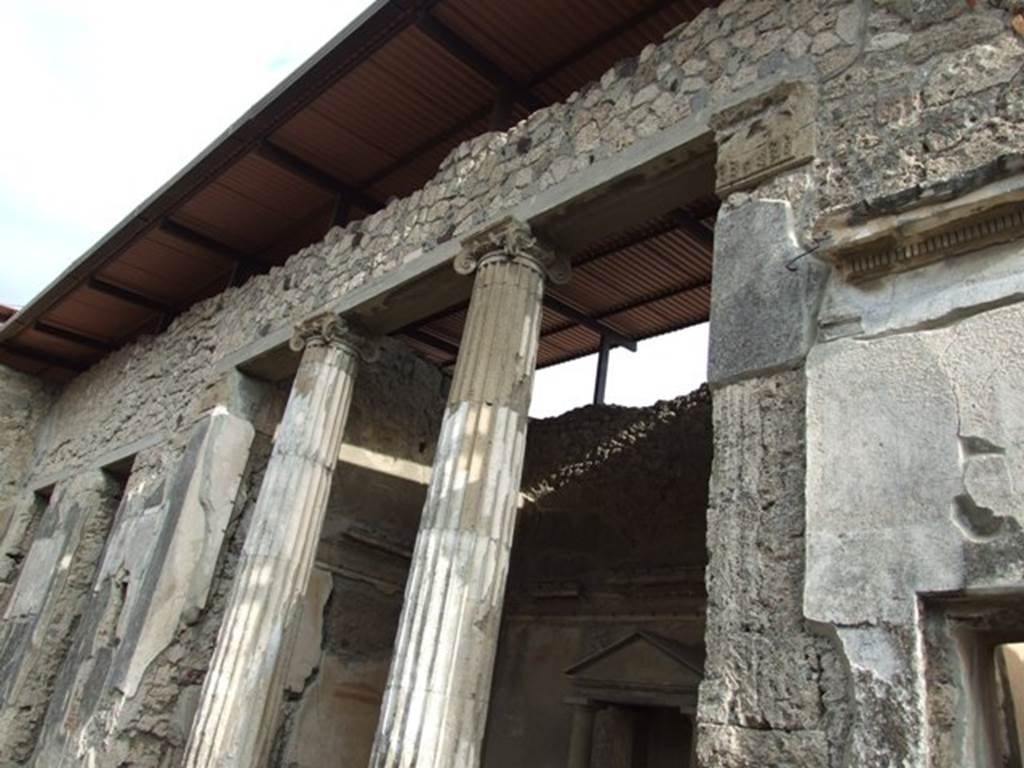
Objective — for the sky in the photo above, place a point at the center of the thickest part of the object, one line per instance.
(107, 99)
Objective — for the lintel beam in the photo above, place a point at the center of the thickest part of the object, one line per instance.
(131, 297)
(284, 159)
(477, 61)
(72, 336)
(615, 339)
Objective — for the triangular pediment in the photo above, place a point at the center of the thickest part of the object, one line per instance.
(642, 660)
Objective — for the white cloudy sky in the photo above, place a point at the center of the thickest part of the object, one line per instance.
(106, 99)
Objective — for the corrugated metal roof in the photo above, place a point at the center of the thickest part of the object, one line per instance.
(370, 116)
(644, 282)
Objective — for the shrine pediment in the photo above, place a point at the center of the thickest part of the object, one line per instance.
(642, 663)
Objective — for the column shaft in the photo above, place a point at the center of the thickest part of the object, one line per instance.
(435, 704)
(581, 741)
(241, 696)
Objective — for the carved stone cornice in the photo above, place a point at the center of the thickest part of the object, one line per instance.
(512, 240)
(331, 329)
(905, 239)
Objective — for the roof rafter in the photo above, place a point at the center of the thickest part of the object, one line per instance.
(614, 338)
(72, 336)
(477, 61)
(192, 237)
(295, 165)
(129, 296)
(43, 357)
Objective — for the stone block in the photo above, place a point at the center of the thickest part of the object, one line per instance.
(735, 747)
(764, 295)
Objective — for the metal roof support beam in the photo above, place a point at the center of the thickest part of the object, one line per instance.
(601, 382)
(284, 159)
(75, 338)
(613, 337)
(429, 339)
(131, 297)
(695, 229)
(477, 61)
(43, 358)
(198, 239)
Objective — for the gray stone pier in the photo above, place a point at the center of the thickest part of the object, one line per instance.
(435, 704)
(241, 696)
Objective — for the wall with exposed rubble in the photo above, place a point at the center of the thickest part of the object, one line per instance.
(907, 92)
(888, 98)
(24, 404)
(115, 610)
(610, 542)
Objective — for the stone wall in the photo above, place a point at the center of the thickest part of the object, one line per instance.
(865, 58)
(895, 96)
(140, 627)
(609, 542)
(24, 403)
(563, 537)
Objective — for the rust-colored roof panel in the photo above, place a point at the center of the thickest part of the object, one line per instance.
(96, 315)
(287, 194)
(232, 218)
(410, 89)
(157, 267)
(334, 148)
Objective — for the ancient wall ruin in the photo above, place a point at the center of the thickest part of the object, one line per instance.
(850, 493)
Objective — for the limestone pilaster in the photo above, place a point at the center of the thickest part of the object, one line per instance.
(241, 696)
(435, 704)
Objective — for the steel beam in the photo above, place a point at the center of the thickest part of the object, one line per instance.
(601, 382)
(44, 358)
(431, 340)
(72, 336)
(207, 243)
(477, 61)
(295, 165)
(614, 338)
(131, 297)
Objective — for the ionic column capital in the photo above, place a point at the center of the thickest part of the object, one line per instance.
(331, 329)
(512, 240)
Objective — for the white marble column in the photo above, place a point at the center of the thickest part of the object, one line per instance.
(435, 704)
(241, 696)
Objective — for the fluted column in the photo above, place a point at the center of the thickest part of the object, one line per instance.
(435, 703)
(242, 692)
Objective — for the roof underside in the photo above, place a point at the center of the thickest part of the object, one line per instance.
(370, 117)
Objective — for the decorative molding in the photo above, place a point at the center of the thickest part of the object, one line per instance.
(512, 240)
(765, 135)
(329, 328)
(916, 236)
(999, 227)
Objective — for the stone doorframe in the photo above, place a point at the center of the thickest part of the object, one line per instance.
(642, 669)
